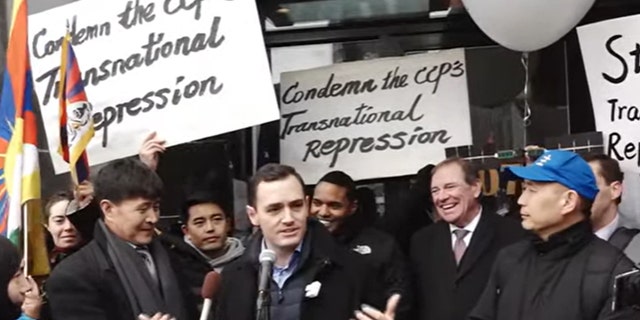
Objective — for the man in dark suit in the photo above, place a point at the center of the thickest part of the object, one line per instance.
(606, 219)
(124, 272)
(452, 258)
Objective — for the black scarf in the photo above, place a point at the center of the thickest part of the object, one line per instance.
(566, 242)
(9, 264)
(142, 292)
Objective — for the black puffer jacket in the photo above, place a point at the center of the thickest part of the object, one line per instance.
(193, 267)
(568, 277)
(381, 252)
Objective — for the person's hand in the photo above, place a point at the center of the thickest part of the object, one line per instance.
(157, 316)
(32, 300)
(370, 313)
(150, 150)
(83, 193)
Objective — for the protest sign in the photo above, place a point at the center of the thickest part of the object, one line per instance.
(187, 69)
(375, 118)
(611, 53)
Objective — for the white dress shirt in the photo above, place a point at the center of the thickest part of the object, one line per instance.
(605, 232)
(471, 227)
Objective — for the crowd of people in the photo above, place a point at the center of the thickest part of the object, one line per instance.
(558, 261)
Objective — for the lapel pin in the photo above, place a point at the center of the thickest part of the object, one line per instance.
(312, 290)
(362, 249)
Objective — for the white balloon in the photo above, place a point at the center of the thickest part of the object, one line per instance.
(527, 25)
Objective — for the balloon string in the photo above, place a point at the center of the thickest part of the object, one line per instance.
(527, 109)
(526, 117)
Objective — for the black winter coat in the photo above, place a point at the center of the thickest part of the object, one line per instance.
(86, 286)
(568, 277)
(382, 253)
(346, 281)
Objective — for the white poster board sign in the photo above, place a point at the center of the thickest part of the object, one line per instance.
(187, 69)
(375, 118)
(612, 61)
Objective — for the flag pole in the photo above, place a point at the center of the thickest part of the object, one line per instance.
(25, 234)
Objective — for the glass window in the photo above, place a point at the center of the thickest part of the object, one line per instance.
(305, 13)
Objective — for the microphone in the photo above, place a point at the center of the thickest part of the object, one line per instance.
(210, 288)
(267, 258)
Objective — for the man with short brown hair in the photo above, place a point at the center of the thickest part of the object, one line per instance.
(605, 216)
(313, 277)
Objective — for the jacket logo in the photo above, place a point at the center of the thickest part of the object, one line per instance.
(362, 249)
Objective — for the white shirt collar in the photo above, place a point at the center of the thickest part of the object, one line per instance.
(605, 232)
(471, 227)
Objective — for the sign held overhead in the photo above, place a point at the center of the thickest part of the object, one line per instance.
(188, 69)
(375, 118)
(611, 52)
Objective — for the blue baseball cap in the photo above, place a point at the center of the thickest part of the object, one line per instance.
(563, 167)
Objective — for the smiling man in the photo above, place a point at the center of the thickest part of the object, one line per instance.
(335, 205)
(124, 271)
(452, 258)
(564, 272)
(313, 277)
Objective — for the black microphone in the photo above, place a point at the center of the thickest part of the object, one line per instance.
(267, 258)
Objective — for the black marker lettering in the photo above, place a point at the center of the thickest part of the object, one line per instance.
(612, 52)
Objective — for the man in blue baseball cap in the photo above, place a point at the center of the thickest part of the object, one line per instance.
(563, 272)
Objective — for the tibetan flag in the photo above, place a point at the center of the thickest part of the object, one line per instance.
(76, 122)
(19, 167)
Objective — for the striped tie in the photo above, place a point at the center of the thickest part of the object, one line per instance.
(148, 261)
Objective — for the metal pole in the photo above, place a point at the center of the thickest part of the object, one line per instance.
(25, 233)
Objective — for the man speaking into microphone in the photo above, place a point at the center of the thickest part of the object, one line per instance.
(311, 277)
